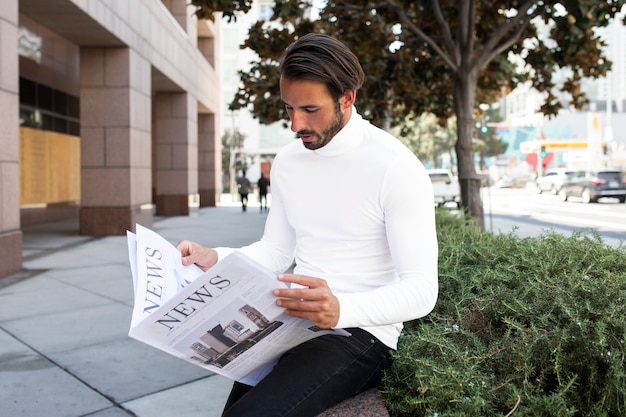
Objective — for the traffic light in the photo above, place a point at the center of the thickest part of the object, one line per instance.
(484, 129)
(543, 152)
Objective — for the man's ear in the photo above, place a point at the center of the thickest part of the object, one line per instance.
(348, 99)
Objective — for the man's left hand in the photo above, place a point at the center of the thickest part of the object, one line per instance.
(315, 302)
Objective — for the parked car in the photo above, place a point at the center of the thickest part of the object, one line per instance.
(445, 186)
(552, 180)
(591, 185)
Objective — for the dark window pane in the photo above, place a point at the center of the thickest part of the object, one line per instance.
(60, 102)
(44, 97)
(28, 92)
(73, 110)
(46, 122)
(59, 124)
(73, 128)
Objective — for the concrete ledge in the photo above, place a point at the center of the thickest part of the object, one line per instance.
(367, 403)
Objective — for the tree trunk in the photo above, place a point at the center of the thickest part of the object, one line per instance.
(464, 101)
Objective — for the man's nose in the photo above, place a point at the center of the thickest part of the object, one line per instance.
(297, 121)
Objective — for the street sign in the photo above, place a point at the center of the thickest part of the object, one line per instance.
(535, 146)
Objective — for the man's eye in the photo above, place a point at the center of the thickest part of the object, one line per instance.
(311, 109)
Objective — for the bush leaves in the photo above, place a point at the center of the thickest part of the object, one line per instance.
(523, 327)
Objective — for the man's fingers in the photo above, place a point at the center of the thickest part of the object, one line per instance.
(194, 253)
(305, 294)
(298, 304)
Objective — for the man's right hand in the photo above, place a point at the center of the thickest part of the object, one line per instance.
(195, 253)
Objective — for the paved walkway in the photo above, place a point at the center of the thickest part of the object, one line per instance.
(64, 349)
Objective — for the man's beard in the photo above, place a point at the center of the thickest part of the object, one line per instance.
(327, 134)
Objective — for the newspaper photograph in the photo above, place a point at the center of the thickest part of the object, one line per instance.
(225, 319)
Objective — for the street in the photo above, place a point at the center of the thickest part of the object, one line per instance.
(529, 213)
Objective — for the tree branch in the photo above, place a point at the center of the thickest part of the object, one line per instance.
(517, 24)
(447, 36)
(466, 27)
(417, 31)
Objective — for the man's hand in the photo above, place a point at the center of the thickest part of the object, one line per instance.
(316, 302)
(195, 253)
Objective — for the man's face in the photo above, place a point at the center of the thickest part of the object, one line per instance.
(315, 116)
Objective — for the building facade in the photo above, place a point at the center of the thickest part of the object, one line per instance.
(600, 123)
(110, 112)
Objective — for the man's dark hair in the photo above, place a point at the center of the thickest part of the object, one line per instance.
(324, 59)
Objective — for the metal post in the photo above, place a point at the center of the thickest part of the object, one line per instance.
(231, 168)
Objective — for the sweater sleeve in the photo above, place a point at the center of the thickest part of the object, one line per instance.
(409, 215)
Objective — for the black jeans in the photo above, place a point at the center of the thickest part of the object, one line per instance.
(244, 201)
(313, 376)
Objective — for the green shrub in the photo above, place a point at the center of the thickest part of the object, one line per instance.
(522, 327)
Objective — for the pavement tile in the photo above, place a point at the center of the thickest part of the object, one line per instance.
(41, 296)
(231, 228)
(112, 412)
(125, 369)
(114, 281)
(32, 386)
(96, 252)
(72, 328)
(46, 390)
(38, 281)
(203, 398)
(13, 351)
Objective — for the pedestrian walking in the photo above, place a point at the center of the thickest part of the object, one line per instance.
(263, 184)
(244, 188)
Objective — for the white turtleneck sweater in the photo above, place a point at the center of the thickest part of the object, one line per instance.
(359, 213)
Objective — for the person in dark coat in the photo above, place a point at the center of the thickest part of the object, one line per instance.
(263, 183)
(244, 188)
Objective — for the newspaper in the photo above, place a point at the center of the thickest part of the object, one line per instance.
(225, 319)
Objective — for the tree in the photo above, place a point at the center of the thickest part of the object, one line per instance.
(486, 142)
(426, 138)
(440, 56)
(233, 157)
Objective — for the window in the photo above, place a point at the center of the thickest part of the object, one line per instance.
(46, 108)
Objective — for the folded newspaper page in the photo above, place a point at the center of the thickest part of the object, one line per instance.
(225, 319)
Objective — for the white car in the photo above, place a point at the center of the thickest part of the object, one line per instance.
(445, 186)
(552, 180)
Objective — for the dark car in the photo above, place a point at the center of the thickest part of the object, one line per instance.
(591, 185)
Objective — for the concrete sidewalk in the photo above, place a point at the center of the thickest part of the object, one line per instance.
(64, 349)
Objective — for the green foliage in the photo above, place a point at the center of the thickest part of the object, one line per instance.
(488, 143)
(425, 137)
(229, 8)
(523, 327)
(233, 157)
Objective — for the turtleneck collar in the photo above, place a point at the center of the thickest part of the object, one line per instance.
(346, 139)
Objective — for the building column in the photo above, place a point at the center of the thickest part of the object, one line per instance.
(115, 112)
(209, 160)
(176, 138)
(10, 233)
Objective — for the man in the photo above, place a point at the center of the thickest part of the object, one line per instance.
(263, 183)
(243, 187)
(355, 209)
